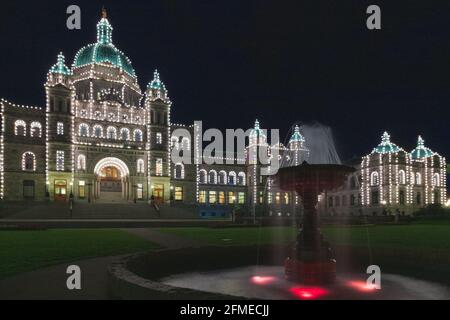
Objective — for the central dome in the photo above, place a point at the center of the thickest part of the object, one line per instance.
(103, 51)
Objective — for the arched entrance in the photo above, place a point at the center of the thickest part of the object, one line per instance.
(112, 180)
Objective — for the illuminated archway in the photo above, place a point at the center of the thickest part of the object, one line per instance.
(112, 162)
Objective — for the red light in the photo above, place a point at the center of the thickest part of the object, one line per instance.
(308, 293)
(362, 286)
(262, 280)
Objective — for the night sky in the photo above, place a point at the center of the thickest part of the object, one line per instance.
(229, 62)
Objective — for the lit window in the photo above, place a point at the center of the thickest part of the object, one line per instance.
(36, 129)
(111, 133)
(202, 196)
(158, 138)
(212, 177)
(231, 197)
(83, 130)
(202, 176)
(137, 135)
(60, 128)
(178, 193)
(232, 178)
(241, 197)
(124, 134)
(140, 166)
(418, 178)
(374, 178)
(97, 131)
(81, 189)
(221, 197)
(20, 128)
(60, 160)
(159, 167)
(212, 197)
(139, 191)
(28, 161)
(277, 198)
(286, 198)
(81, 162)
(401, 177)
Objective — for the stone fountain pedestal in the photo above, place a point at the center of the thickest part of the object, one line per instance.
(311, 261)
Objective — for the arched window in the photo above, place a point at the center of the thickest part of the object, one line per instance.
(436, 180)
(178, 171)
(202, 176)
(111, 133)
(418, 178)
(124, 134)
(232, 178)
(97, 131)
(374, 178)
(140, 166)
(36, 129)
(222, 177)
(241, 179)
(20, 128)
(81, 162)
(401, 177)
(137, 134)
(83, 130)
(212, 177)
(28, 161)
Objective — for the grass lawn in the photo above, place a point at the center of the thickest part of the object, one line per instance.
(22, 251)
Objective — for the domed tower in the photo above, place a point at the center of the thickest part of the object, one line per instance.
(158, 106)
(59, 125)
(110, 123)
(297, 150)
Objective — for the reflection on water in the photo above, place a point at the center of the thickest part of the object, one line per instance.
(268, 282)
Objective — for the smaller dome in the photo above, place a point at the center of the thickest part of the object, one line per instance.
(297, 136)
(386, 146)
(256, 131)
(421, 151)
(156, 83)
(60, 67)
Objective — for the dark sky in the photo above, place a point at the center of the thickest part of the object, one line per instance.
(228, 62)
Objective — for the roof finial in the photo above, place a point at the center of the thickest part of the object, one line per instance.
(104, 13)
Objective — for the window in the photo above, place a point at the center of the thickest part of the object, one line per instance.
(232, 178)
(97, 131)
(159, 167)
(202, 196)
(222, 177)
(28, 189)
(140, 166)
(111, 133)
(375, 197)
(28, 161)
(20, 128)
(83, 130)
(139, 191)
(401, 177)
(418, 198)
(81, 189)
(35, 129)
(202, 176)
(286, 198)
(261, 197)
(158, 138)
(81, 162)
(178, 193)
(137, 134)
(277, 198)
(241, 197)
(212, 177)
(436, 180)
(418, 178)
(60, 128)
(178, 171)
(124, 134)
(59, 160)
(212, 197)
(221, 197)
(401, 196)
(374, 178)
(231, 197)
(241, 179)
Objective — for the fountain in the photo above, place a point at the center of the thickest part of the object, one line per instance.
(311, 261)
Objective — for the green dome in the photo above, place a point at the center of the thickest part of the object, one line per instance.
(386, 146)
(256, 131)
(60, 67)
(421, 151)
(103, 51)
(297, 136)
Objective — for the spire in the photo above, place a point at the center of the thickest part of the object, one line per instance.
(104, 29)
(156, 83)
(420, 142)
(385, 138)
(60, 66)
(256, 124)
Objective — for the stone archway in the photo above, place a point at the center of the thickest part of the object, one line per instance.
(112, 183)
